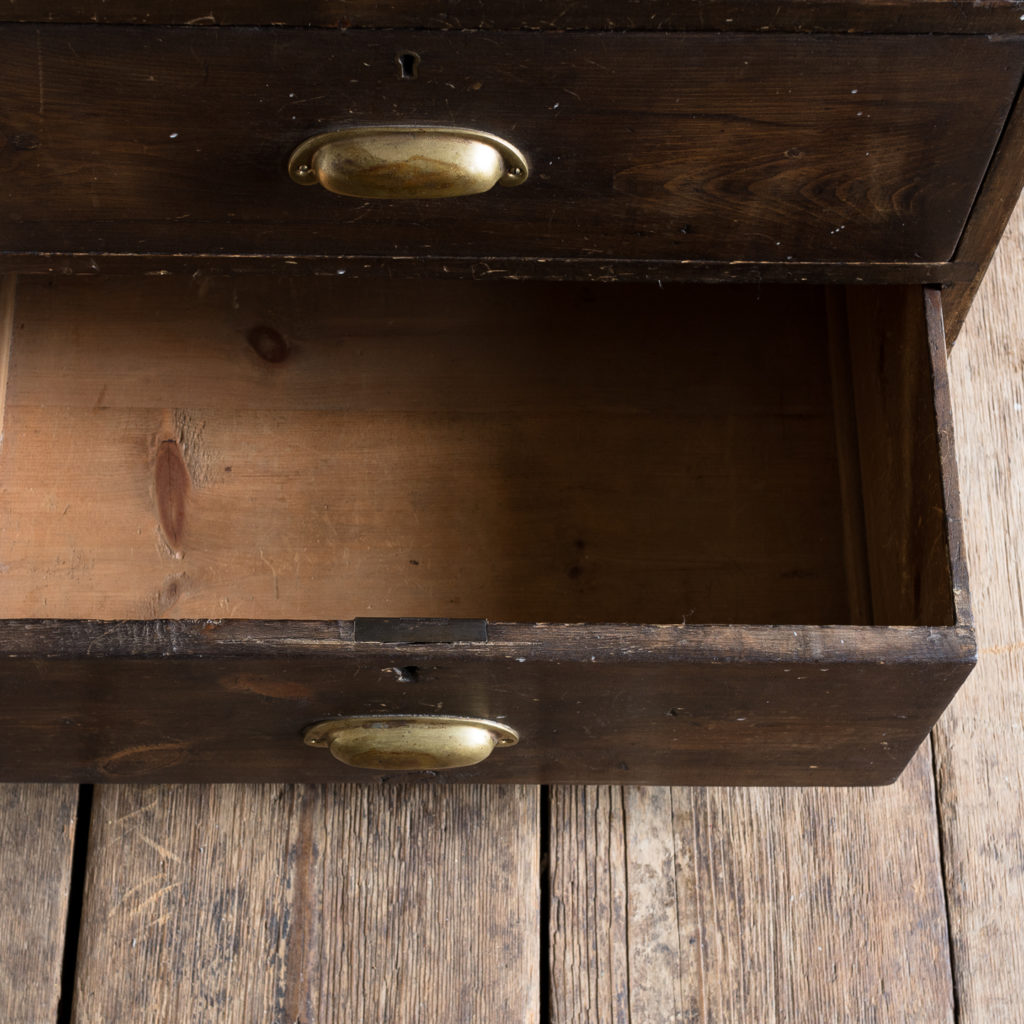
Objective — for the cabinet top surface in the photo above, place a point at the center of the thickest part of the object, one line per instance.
(981, 16)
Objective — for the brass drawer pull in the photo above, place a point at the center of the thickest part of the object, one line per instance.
(407, 162)
(408, 743)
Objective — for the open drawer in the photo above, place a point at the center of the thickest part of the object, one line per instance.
(698, 534)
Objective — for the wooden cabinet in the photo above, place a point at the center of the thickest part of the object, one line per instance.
(649, 459)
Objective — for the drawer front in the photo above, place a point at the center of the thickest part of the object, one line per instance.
(642, 146)
(667, 705)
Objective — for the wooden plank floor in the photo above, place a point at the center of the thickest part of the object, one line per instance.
(979, 743)
(308, 904)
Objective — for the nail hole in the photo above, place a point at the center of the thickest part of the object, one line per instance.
(408, 674)
(408, 64)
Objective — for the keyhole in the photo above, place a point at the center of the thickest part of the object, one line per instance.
(408, 64)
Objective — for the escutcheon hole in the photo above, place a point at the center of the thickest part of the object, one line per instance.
(408, 64)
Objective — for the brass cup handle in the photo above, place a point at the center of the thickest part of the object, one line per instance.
(407, 743)
(407, 162)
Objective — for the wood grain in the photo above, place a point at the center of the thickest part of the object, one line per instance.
(522, 452)
(764, 147)
(488, 268)
(980, 757)
(988, 220)
(311, 904)
(749, 905)
(660, 15)
(37, 828)
(738, 905)
(901, 399)
(208, 701)
(317, 448)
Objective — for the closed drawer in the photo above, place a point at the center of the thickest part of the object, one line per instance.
(712, 531)
(696, 147)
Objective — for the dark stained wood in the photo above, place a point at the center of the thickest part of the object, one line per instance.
(855, 545)
(748, 905)
(37, 828)
(489, 269)
(8, 293)
(682, 643)
(1002, 186)
(901, 398)
(949, 473)
(227, 701)
(311, 904)
(661, 15)
(709, 146)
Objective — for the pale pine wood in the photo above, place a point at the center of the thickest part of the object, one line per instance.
(37, 829)
(322, 449)
(308, 904)
(764, 905)
(980, 740)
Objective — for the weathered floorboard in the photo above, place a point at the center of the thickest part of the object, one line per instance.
(703, 905)
(980, 740)
(309, 904)
(37, 828)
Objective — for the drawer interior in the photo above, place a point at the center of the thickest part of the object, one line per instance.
(326, 448)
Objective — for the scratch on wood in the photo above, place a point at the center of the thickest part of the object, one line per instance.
(162, 850)
(138, 810)
(270, 565)
(150, 900)
(99, 639)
